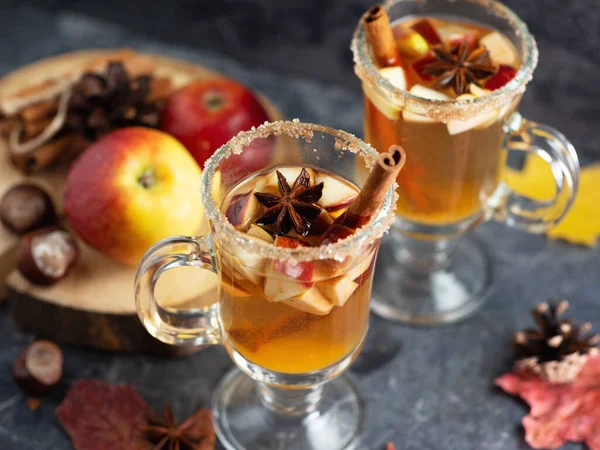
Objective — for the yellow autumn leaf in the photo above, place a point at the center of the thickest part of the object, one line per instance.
(582, 224)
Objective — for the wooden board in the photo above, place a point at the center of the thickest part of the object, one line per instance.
(94, 305)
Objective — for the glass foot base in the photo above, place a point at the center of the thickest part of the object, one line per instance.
(243, 422)
(430, 283)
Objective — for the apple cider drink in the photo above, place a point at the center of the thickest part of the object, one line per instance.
(453, 163)
(286, 316)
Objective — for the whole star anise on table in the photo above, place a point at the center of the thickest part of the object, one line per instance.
(459, 66)
(294, 207)
(194, 433)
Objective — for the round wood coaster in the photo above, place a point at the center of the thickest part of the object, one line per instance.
(94, 305)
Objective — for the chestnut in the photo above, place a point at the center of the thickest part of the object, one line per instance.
(46, 256)
(39, 367)
(26, 207)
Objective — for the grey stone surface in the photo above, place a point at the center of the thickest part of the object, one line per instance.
(425, 388)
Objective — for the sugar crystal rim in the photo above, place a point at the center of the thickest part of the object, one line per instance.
(446, 110)
(344, 141)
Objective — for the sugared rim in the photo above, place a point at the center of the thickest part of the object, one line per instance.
(227, 233)
(445, 110)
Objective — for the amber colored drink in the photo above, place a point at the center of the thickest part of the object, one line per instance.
(285, 316)
(453, 166)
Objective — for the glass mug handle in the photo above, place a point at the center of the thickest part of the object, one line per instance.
(520, 211)
(196, 326)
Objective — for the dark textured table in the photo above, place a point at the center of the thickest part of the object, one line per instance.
(425, 388)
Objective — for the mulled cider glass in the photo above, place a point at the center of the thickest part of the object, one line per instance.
(444, 78)
(292, 308)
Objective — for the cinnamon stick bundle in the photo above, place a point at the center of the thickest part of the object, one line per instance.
(381, 37)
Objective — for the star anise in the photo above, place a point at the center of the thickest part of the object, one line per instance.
(294, 207)
(459, 66)
(194, 433)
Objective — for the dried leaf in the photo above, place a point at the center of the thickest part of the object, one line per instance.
(581, 226)
(100, 416)
(559, 412)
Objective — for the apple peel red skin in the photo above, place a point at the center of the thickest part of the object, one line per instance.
(559, 412)
(203, 125)
(502, 76)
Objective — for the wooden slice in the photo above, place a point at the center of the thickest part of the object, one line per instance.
(94, 305)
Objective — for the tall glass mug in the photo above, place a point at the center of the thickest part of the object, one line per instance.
(289, 393)
(456, 152)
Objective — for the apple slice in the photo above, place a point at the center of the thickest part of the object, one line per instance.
(453, 35)
(483, 119)
(417, 114)
(337, 194)
(502, 76)
(286, 279)
(500, 48)
(335, 233)
(311, 301)
(242, 209)
(259, 233)
(397, 78)
(409, 42)
(478, 91)
(361, 267)
(338, 290)
(427, 30)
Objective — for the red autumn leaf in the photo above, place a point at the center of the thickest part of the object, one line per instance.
(559, 412)
(100, 416)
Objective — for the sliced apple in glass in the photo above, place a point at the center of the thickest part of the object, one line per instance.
(337, 194)
(453, 35)
(410, 42)
(286, 279)
(482, 119)
(260, 233)
(501, 49)
(311, 301)
(361, 267)
(503, 75)
(242, 209)
(478, 91)
(417, 114)
(338, 290)
(427, 30)
(397, 78)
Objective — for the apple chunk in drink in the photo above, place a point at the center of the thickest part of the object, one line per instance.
(292, 315)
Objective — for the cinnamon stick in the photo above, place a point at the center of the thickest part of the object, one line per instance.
(46, 154)
(381, 38)
(373, 193)
(39, 110)
(160, 89)
(32, 129)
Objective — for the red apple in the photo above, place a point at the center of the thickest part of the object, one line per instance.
(501, 77)
(130, 189)
(206, 114)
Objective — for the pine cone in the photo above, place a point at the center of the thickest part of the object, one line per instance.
(559, 349)
(101, 103)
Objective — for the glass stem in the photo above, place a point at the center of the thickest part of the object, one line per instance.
(425, 255)
(290, 401)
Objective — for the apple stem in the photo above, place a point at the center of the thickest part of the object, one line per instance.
(213, 101)
(147, 178)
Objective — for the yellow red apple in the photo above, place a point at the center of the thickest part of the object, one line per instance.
(132, 188)
(206, 114)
